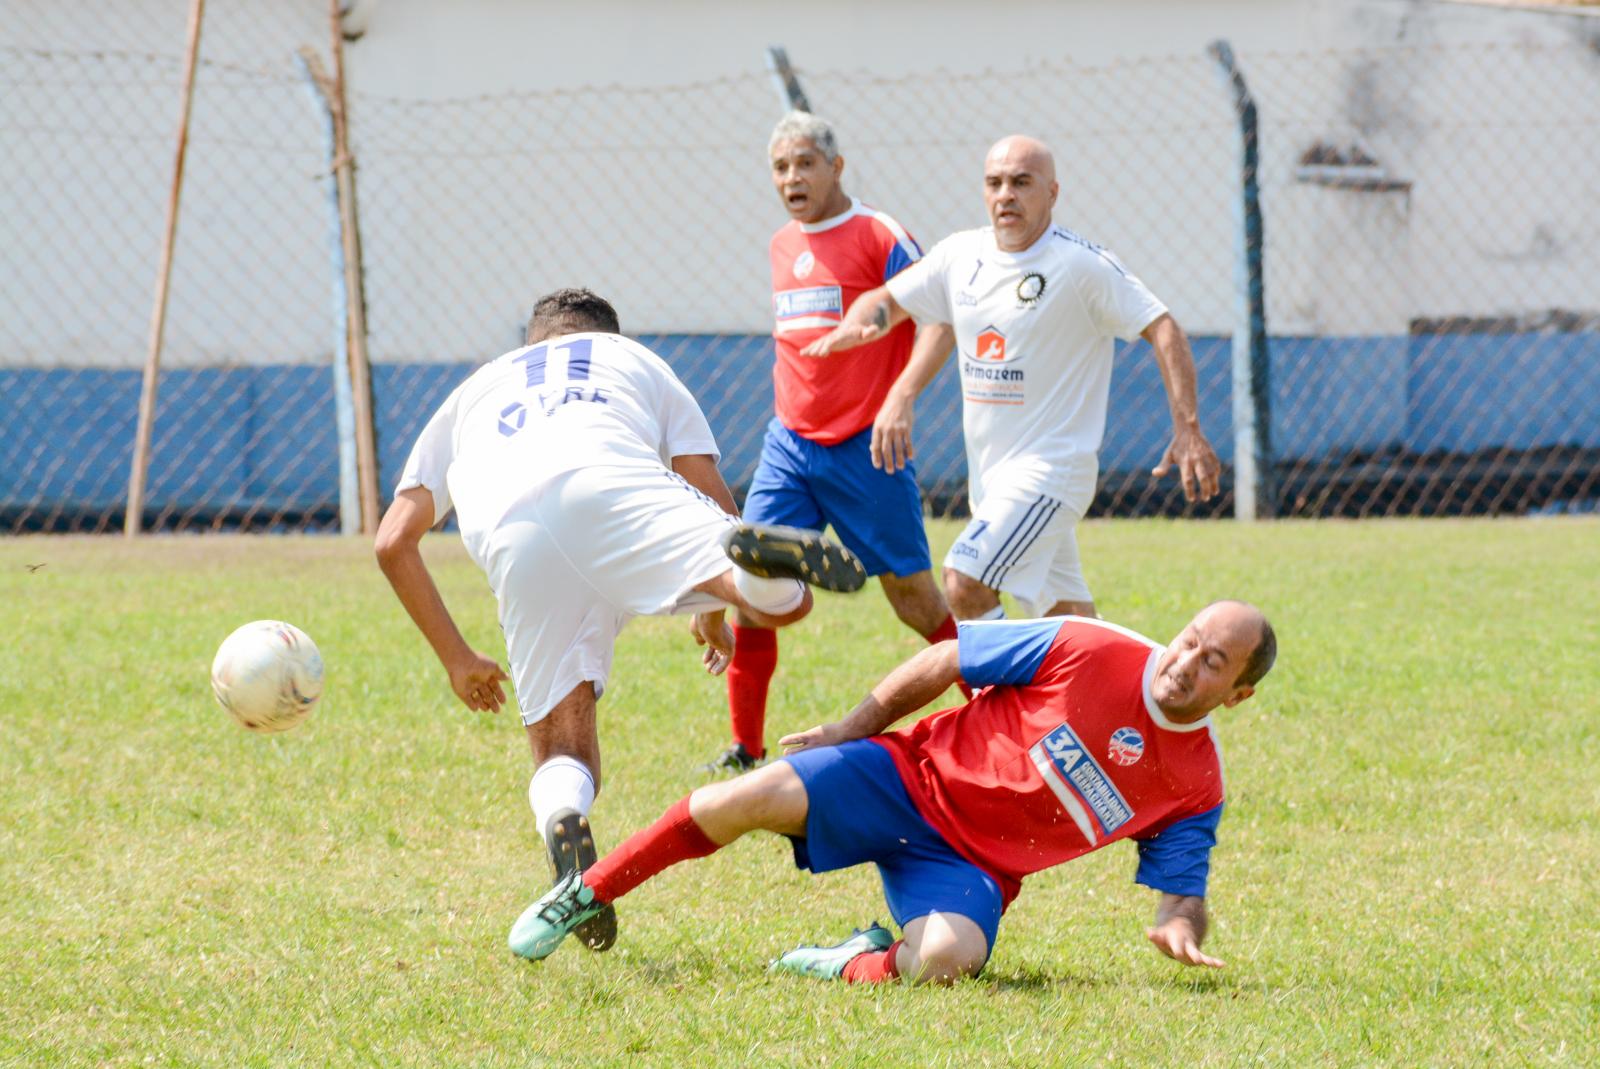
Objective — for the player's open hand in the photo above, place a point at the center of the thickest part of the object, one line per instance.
(1197, 464)
(711, 630)
(844, 336)
(821, 735)
(891, 434)
(1176, 939)
(476, 681)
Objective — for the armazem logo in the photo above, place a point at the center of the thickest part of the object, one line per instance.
(991, 348)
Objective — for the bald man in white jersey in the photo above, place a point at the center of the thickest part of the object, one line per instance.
(1035, 309)
(584, 478)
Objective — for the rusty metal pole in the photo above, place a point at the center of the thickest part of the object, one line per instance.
(355, 291)
(133, 519)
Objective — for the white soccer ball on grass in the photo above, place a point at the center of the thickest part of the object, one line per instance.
(267, 675)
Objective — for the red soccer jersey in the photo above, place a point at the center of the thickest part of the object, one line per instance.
(1065, 752)
(818, 269)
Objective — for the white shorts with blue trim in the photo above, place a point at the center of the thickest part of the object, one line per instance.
(1026, 543)
(571, 564)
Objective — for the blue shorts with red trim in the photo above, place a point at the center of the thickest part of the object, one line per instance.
(858, 811)
(877, 516)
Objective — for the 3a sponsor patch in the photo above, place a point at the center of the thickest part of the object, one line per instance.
(1081, 785)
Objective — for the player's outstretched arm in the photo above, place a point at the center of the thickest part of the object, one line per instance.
(709, 629)
(891, 430)
(1180, 928)
(1197, 463)
(903, 691)
(871, 316)
(473, 676)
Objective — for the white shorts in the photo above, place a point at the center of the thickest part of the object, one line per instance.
(592, 548)
(1026, 544)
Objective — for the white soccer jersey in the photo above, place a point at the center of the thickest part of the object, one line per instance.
(578, 401)
(1034, 332)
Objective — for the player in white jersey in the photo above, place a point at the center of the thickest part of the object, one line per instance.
(584, 479)
(1035, 308)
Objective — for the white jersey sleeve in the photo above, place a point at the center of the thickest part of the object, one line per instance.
(923, 288)
(1119, 303)
(684, 429)
(429, 463)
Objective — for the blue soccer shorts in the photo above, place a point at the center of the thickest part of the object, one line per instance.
(876, 515)
(858, 811)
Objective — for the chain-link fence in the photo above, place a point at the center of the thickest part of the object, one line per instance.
(1430, 261)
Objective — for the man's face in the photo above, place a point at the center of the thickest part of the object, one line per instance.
(806, 181)
(1019, 189)
(1200, 669)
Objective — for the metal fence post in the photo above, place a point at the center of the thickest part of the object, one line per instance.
(1254, 489)
(133, 520)
(784, 77)
(343, 399)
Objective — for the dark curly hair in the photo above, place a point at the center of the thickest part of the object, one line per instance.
(570, 311)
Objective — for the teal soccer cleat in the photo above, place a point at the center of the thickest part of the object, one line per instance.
(827, 963)
(544, 924)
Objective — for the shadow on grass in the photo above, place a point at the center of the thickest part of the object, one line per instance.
(1191, 981)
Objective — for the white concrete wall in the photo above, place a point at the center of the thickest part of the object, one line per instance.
(488, 175)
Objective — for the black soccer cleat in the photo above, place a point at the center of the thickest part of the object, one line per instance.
(774, 552)
(733, 761)
(570, 844)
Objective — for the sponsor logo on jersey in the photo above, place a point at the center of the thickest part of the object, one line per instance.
(1030, 289)
(816, 306)
(1080, 784)
(803, 264)
(512, 418)
(1127, 746)
(966, 300)
(991, 346)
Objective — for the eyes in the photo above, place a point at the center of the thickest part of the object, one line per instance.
(1019, 181)
(1211, 658)
(794, 163)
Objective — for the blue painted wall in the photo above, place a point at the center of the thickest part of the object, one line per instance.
(263, 438)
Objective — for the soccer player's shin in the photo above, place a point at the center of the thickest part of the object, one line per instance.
(560, 783)
(755, 659)
(673, 838)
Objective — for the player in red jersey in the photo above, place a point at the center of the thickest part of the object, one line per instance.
(1085, 733)
(816, 460)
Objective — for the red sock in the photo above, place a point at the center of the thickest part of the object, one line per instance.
(755, 658)
(873, 967)
(944, 631)
(673, 838)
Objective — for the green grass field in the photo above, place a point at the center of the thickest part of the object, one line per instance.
(1404, 874)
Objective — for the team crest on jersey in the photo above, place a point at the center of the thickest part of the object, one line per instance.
(1127, 746)
(991, 346)
(803, 264)
(1030, 289)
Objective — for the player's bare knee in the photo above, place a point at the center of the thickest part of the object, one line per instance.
(942, 948)
(769, 799)
(968, 598)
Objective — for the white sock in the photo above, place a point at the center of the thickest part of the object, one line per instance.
(996, 613)
(771, 596)
(560, 783)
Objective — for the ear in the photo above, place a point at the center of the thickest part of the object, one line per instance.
(838, 166)
(1055, 190)
(1239, 694)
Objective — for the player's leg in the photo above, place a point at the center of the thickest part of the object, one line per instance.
(860, 811)
(1011, 545)
(940, 948)
(772, 798)
(1065, 591)
(878, 517)
(778, 494)
(559, 640)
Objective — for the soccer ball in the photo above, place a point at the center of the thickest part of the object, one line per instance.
(267, 675)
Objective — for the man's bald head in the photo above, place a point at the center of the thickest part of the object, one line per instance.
(1216, 660)
(1019, 189)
